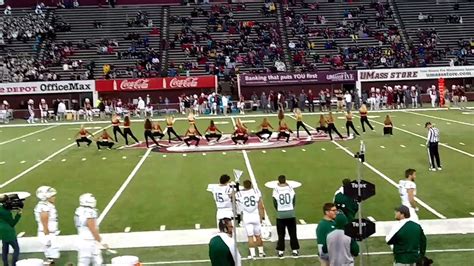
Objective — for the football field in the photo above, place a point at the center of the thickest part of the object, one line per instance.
(139, 189)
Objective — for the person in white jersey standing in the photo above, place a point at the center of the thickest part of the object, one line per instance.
(407, 190)
(46, 216)
(90, 241)
(284, 202)
(223, 197)
(251, 204)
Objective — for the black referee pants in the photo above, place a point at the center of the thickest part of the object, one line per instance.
(434, 155)
(290, 224)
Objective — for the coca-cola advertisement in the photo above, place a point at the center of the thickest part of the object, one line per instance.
(144, 84)
(298, 78)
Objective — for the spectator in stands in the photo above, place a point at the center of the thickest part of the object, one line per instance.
(7, 11)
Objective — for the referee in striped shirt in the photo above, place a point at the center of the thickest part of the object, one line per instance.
(432, 144)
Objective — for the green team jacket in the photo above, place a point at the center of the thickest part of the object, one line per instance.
(409, 243)
(219, 253)
(347, 204)
(7, 224)
(324, 228)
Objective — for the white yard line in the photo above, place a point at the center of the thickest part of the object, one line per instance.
(13, 179)
(26, 135)
(440, 118)
(300, 256)
(420, 136)
(123, 187)
(251, 174)
(426, 206)
(439, 215)
(201, 236)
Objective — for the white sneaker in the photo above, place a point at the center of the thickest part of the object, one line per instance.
(439, 168)
(433, 169)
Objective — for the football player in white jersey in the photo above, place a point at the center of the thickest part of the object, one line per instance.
(284, 200)
(46, 216)
(250, 202)
(223, 198)
(407, 190)
(89, 244)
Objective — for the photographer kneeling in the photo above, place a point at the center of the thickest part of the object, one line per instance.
(7, 229)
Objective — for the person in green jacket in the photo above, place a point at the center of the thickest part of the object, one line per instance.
(325, 226)
(222, 250)
(407, 238)
(7, 232)
(345, 203)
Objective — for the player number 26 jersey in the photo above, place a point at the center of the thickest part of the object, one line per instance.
(284, 197)
(248, 200)
(222, 197)
(80, 220)
(403, 187)
(44, 206)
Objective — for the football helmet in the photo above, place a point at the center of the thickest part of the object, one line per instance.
(45, 192)
(87, 200)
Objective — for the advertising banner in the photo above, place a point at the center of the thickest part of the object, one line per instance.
(44, 87)
(416, 73)
(145, 84)
(298, 78)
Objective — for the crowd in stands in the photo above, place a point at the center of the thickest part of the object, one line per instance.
(223, 57)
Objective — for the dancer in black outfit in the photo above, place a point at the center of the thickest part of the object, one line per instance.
(284, 130)
(116, 127)
(332, 127)
(83, 133)
(156, 130)
(299, 123)
(148, 133)
(170, 129)
(349, 124)
(264, 126)
(363, 117)
(323, 125)
(211, 132)
(105, 140)
(127, 131)
(387, 126)
(192, 134)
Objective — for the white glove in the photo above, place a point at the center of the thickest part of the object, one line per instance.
(417, 209)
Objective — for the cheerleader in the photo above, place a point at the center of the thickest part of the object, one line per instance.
(264, 126)
(127, 131)
(211, 132)
(349, 124)
(283, 130)
(323, 125)
(156, 131)
(387, 126)
(88, 109)
(43, 106)
(332, 127)
(363, 117)
(105, 140)
(190, 135)
(148, 133)
(83, 136)
(116, 126)
(31, 112)
(169, 128)
(192, 122)
(240, 133)
(299, 123)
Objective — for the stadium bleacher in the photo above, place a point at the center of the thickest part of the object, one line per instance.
(355, 34)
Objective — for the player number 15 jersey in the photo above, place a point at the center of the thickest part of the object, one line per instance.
(222, 197)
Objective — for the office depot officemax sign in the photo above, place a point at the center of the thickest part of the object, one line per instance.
(47, 87)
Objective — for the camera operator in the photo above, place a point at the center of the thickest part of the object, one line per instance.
(7, 228)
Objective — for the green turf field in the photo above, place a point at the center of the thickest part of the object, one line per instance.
(170, 189)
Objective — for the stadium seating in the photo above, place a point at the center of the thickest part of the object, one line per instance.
(323, 46)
